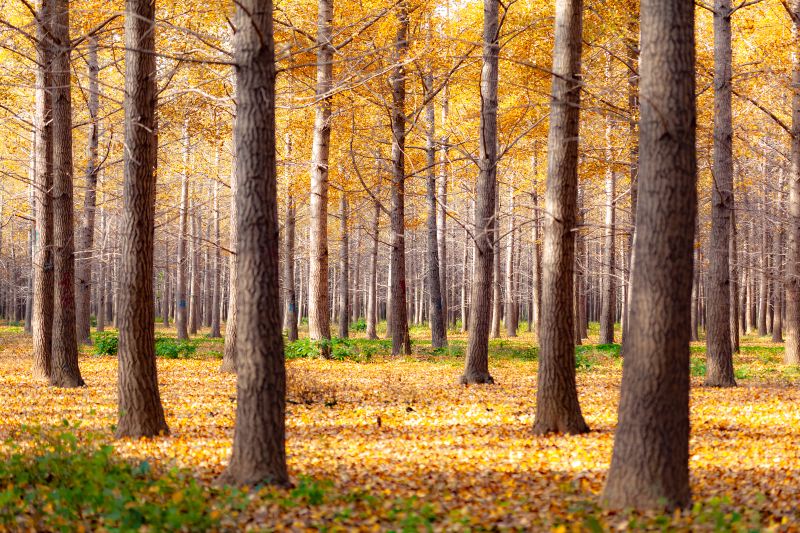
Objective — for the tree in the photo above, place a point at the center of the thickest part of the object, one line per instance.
(609, 296)
(259, 453)
(319, 310)
(792, 353)
(436, 301)
(401, 342)
(650, 462)
(476, 368)
(83, 280)
(42, 312)
(344, 270)
(141, 412)
(182, 311)
(719, 354)
(557, 407)
(64, 370)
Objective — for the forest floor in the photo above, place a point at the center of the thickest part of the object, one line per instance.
(381, 443)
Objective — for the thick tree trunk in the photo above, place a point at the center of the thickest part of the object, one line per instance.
(557, 407)
(182, 311)
(259, 449)
(64, 371)
(83, 280)
(719, 353)
(344, 270)
(42, 319)
(435, 278)
(141, 412)
(650, 462)
(477, 363)
(401, 342)
(319, 308)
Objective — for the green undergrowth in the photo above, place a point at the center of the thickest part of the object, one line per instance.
(107, 343)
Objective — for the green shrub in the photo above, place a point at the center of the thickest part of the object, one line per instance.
(169, 348)
(359, 325)
(60, 483)
(698, 367)
(583, 361)
(105, 343)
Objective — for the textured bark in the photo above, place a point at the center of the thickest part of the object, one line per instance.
(557, 407)
(734, 277)
(216, 301)
(464, 277)
(650, 462)
(719, 352)
(511, 314)
(141, 412)
(477, 363)
(290, 321)
(64, 371)
(792, 281)
(609, 289)
(229, 356)
(259, 450)
(536, 275)
(42, 319)
(195, 307)
(372, 287)
(344, 270)
(182, 304)
(101, 282)
(83, 279)
(319, 311)
(777, 293)
(435, 279)
(496, 302)
(763, 281)
(441, 217)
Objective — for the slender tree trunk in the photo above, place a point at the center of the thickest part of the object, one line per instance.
(511, 296)
(344, 270)
(216, 301)
(101, 282)
(83, 280)
(319, 308)
(763, 285)
(734, 277)
(195, 308)
(777, 250)
(650, 462)
(372, 288)
(230, 361)
(537, 267)
(609, 296)
(64, 369)
(441, 218)
(259, 449)
(436, 279)
(181, 313)
(401, 342)
(290, 319)
(792, 282)
(557, 407)
(719, 354)
(42, 319)
(141, 412)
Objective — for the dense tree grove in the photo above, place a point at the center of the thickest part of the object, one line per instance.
(259, 169)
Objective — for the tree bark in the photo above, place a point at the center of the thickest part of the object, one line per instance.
(195, 306)
(609, 295)
(182, 311)
(42, 319)
(141, 412)
(401, 342)
(511, 296)
(436, 280)
(216, 301)
(84, 271)
(372, 288)
(229, 356)
(477, 363)
(64, 369)
(792, 282)
(344, 270)
(719, 352)
(259, 450)
(319, 309)
(557, 407)
(441, 218)
(650, 462)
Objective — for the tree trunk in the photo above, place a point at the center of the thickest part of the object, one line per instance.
(537, 267)
(196, 306)
(83, 280)
(441, 218)
(181, 314)
(216, 301)
(792, 282)
(557, 407)
(436, 279)
(609, 296)
(64, 369)
(734, 277)
(511, 298)
(141, 412)
(259, 450)
(401, 342)
(229, 358)
(319, 308)
(344, 271)
(719, 353)
(42, 319)
(372, 288)
(290, 318)
(650, 462)
(496, 302)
